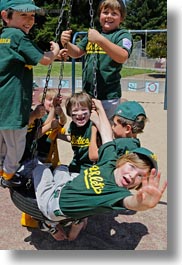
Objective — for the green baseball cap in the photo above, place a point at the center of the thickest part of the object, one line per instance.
(129, 110)
(149, 154)
(18, 5)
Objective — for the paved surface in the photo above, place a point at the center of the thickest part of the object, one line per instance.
(140, 231)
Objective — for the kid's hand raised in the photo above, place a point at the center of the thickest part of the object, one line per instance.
(149, 195)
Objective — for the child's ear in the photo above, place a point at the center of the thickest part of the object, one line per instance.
(128, 129)
(4, 16)
(121, 20)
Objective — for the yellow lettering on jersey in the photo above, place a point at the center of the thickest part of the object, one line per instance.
(5, 41)
(93, 179)
(80, 141)
(94, 48)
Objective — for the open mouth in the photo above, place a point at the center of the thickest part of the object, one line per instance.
(80, 119)
(125, 181)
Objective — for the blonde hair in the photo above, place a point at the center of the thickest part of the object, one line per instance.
(51, 93)
(113, 4)
(138, 160)
(80, 98)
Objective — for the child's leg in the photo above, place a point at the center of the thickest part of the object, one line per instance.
(2, 153)
(76, 229)
(15, 144)
(44, 186)
(48, 189)
(61, 175)
(110, 107)
(59, 234)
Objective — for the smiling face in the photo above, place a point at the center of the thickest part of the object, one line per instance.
(20, 20)
(110, 19)
(80, 114)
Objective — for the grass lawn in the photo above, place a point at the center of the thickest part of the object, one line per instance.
(41, 70)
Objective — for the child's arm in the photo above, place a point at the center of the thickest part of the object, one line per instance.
(148, 196)
(51, 55)
(93, 148)
(100, 119)
(117, 53)
(62, 117)
(46, 126)
(37, 113)
(73, 50)
(59, 113)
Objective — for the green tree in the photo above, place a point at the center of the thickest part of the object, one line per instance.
(47, 20)
(157, 46)
(146, 15)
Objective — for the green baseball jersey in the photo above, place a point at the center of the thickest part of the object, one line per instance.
(80, 141)
(18, 55)
(43, 143)
(107, 70)
(94, 191)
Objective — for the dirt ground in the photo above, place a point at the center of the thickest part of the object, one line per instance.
(116, 231)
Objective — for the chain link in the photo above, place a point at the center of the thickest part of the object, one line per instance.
(57, 34)
(91, 12)
(60, 20)
(94, 82)
(69, 9)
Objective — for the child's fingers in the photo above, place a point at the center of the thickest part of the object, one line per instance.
(144, 181)
(154, 181)
(164, 186)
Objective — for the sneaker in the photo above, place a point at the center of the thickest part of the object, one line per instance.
(27, 167)
(54, 229)
(16, 181)
(1, 181)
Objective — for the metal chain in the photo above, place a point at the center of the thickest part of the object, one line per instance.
(94, 83)
(34, 145)
(57, 34)
(60, 20)
(91, 12)
(62, 62)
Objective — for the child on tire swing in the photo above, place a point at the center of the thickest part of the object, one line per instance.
(100, 188)
(128, 121)
(52, 119)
